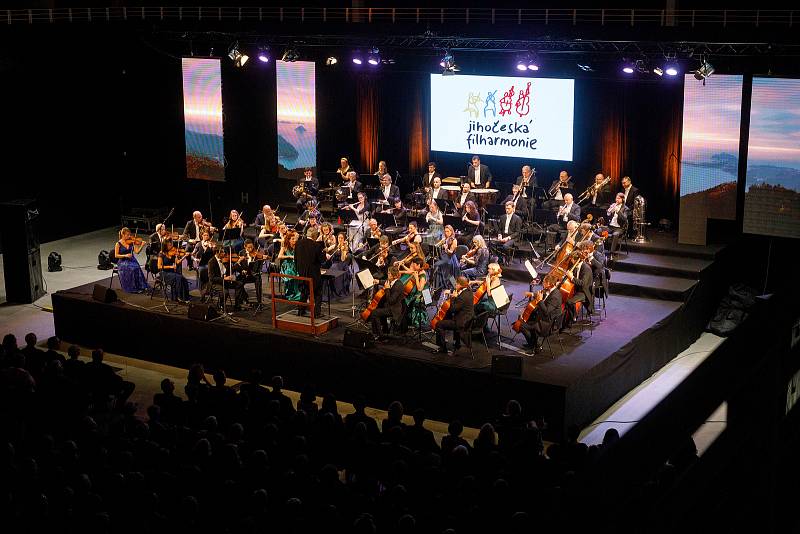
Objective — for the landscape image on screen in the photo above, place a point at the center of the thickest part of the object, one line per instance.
(202, 115)
(297, 118)
(772, 188)
(712, 114)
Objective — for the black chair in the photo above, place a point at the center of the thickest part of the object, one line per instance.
(555, 328)
(475, 327)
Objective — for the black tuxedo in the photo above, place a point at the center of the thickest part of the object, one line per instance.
(539, 322)
(309, 256)
(583, 292)
(603, 197)
(391, 306)
(531, 184)
(632, 194)
(312, 186)
(513, 227)
(441, 194)
(486, 175)
(470, 196)
(569, 185)
(427, 179)
(394, 192)
(462, 312)
(190, 231)
(216, 278)
(522, 205)
(574, 214)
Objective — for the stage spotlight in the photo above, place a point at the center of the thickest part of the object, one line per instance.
(331, 61)
(585, 68)
(358, 59)
(533, 66)
(671, 70)
(658, 70)
(263, 54)
(627, 69)
(521, 65)
(236, 55)
(705, 70)
(532, 62)
(290, 55)
(374, 57)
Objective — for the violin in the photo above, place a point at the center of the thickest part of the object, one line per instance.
(230, 257)
(178, 253)
(133, 240)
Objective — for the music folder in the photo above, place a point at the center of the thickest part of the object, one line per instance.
(531, 270)
(499, 296)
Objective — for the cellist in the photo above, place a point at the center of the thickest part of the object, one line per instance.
(391, 304)
(583, 279)
(538, 323)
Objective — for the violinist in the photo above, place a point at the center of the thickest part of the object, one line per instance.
(131, 277)
(583, 280)
(476, 262)
(374, 230)
(538, 323)
(250, 262)
(234, 222)
(193, 229)
(411, 237)
(415, 305)
(269, 229)
(220, 272)
(169, 267)
(383, 257)
(157, 239)
(328, 239)
(447, 266)
(414, 251)
(391, 304)
(263, 216)
(460, 313)
(341, 260)
(204, 249)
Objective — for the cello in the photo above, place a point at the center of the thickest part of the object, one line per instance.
(376, 299)
(443, 309)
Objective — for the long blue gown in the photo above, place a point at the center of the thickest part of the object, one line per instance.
(131, 277)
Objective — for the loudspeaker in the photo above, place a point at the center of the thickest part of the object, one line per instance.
(356, 339)
(506, 365)
(202, 312)
(22, 263)
(104, 294)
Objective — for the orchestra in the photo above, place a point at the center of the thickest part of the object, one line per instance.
(409, 247)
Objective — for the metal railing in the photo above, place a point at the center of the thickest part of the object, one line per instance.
(412, 15)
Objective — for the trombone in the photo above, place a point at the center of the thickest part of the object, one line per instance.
(592, 189)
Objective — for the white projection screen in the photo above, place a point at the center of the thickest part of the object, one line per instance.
(511, 116)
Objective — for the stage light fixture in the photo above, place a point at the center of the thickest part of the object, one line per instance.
(358, 59)
(532, 62)
(671, 70)
(263, 54)
(290, 55)
(658, 70)
(374, 57)
(627, 68)
(585, 68)
(521, 65)
(705, 70)
(236, 55)
(331, 61)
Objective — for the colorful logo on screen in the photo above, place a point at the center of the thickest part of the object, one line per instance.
(507, 130)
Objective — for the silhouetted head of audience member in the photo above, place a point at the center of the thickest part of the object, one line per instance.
(74, 352)
(53, 343)
(610, 437)
(30, 340)
(167, 386)
(10, 343)
(277, 383)
(219, 378)
(97, 356)
(419, 417)
(455, 428)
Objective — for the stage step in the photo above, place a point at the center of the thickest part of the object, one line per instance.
(658, 264)
(650, 286)
(664, 247)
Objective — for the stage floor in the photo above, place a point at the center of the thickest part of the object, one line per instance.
(567, 387)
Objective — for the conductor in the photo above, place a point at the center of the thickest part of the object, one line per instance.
(309, 255)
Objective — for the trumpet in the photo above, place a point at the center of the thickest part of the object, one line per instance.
(592, 189)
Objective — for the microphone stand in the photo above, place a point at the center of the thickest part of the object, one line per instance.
(353, 263)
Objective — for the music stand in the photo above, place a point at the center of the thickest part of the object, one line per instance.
(229, 235)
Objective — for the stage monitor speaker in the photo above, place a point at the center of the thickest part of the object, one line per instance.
(506, 365)
(22, 263)
(356, 339)
(202, 312)
(105, 294)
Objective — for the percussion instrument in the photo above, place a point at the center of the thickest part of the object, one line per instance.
(485, 196)
(452, 191)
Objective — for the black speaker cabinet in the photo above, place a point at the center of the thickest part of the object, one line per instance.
(105, 294)
(22, 263)
(356, 339)
(202, 312)
(506, 365)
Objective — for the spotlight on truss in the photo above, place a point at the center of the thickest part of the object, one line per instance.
(705, 70)
(448, 64)
(236, 55)
(374, 57)
(263, 54)
(332, 60)
(290, 55)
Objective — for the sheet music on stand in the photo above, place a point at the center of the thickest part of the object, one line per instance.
(365, 278)
(499, 296)
(531, 270)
